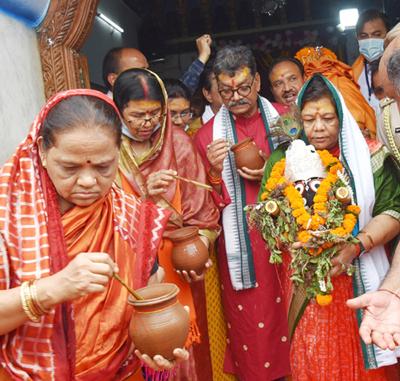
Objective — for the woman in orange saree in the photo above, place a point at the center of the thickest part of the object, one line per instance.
(64, 231)
(153, 152)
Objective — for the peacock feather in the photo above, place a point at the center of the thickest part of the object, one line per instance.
(288, 126)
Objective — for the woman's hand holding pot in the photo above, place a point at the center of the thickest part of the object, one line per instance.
(160, 363)
(192, 276)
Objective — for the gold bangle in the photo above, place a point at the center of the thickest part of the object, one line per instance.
(371, 241)
(30, 304)
(26, 301)
(38, 307)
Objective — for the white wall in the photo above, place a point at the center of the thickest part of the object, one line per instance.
(21, 93)
(102, 38)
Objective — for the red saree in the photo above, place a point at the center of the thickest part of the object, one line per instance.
(173, 149)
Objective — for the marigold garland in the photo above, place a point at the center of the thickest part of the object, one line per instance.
(311, 224)
(318, 218)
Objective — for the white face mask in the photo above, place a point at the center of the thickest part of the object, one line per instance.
(371, 48)
(126, 132)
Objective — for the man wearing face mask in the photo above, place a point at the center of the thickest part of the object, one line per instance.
(372, 27)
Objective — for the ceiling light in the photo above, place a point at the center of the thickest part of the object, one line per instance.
(110, 22)
(348, 19)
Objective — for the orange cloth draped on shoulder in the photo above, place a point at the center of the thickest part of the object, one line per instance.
(341, 76)
(88, 339)
(190, 205)
(358, 67)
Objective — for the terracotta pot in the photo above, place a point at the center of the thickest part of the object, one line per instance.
(159, 323)
(189, 252)
(247, 154)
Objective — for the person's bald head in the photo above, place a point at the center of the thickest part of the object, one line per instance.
(118, 60)
(387, 54)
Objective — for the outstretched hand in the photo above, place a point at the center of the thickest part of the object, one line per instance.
(159, 363)
(381, 321)
(192, 276)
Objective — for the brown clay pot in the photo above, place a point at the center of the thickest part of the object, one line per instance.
(247, 154)
(189, 252)
(159, 323)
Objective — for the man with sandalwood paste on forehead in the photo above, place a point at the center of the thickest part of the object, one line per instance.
(257, 345)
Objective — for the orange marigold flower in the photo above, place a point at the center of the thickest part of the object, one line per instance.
(297, 212)
(264, 196)
(339, 232)
(320, 198)
(324, 300)
(303, 236)
(320, 206)
(316, 222)
(355, 209)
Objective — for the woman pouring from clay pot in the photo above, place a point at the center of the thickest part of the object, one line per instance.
(65, 230)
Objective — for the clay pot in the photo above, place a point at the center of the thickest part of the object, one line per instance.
(247, 154)
(159, 323)
(189, 252)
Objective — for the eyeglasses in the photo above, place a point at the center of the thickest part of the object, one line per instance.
(147, 117)
(243, 90)
(184, 115)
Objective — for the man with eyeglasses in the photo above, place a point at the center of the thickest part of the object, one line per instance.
(257, 345)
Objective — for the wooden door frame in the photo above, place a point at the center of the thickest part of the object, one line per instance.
(61, 36)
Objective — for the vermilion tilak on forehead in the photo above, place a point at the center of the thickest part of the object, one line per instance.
(239, 76)
(145, 87)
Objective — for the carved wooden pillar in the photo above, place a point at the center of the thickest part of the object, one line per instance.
(61, 36)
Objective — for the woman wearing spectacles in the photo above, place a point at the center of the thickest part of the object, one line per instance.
(179, 103)
(154, 151)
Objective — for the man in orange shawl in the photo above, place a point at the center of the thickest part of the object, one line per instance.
(324, 61)
(64, 230)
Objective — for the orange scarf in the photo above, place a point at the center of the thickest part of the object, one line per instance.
(358, 67)
(34, 246)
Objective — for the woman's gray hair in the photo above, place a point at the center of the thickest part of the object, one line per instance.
(393, 70)
(231, 58)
